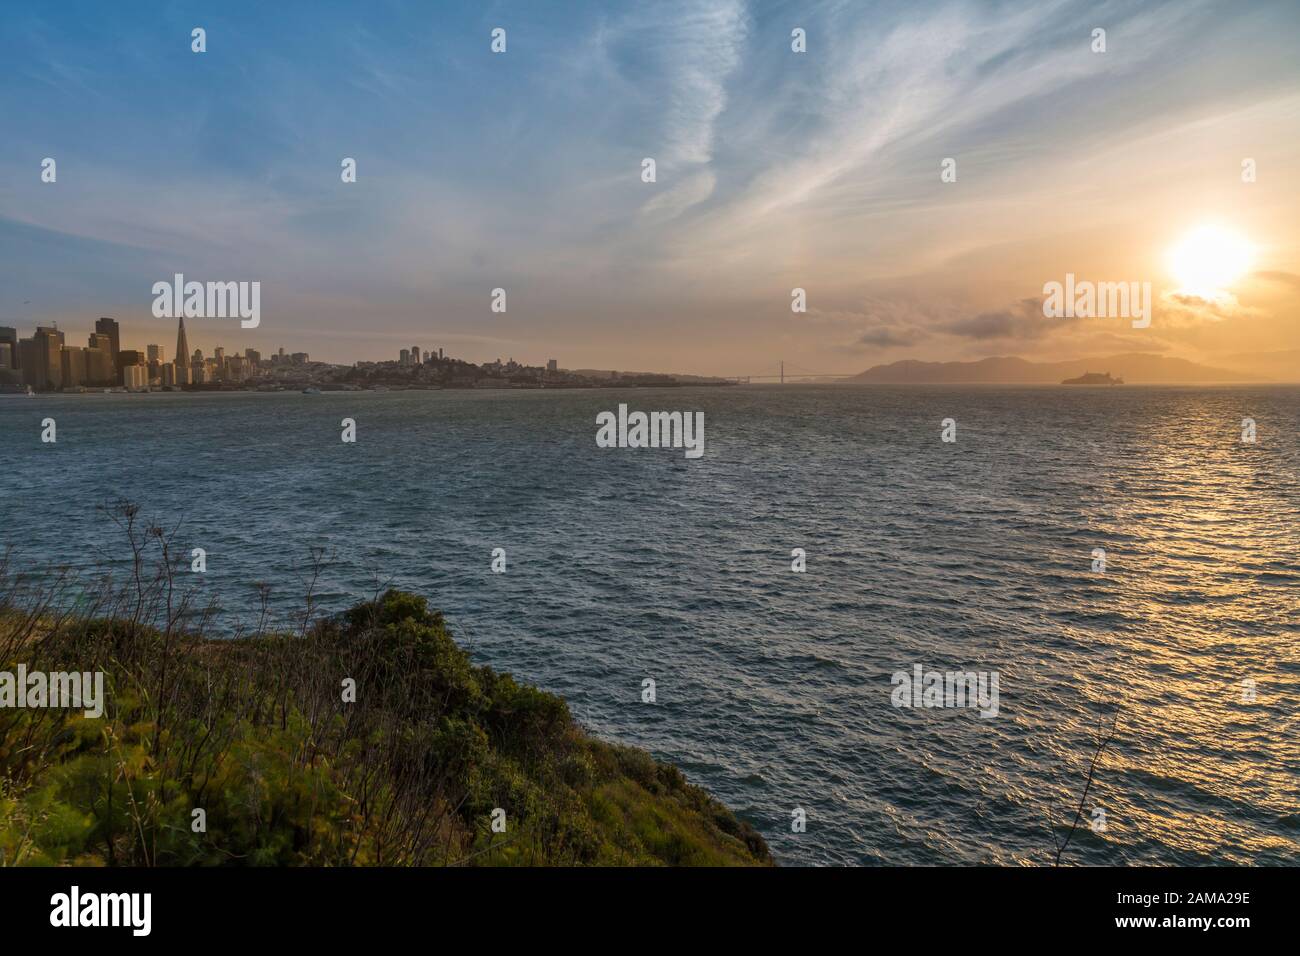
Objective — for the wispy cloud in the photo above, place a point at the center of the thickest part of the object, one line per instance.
(689, 48)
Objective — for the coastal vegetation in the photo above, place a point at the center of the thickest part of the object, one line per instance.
(365, 738)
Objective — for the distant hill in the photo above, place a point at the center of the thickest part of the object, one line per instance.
(1135, 368)
(1268, 366)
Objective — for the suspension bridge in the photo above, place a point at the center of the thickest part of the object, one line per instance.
(782, 372)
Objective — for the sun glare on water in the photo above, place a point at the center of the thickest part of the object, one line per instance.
(1208, 260)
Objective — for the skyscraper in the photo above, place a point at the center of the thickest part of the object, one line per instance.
(100, 369)
(110, 328)
(11, 336)
(73, 365)
(30, 363)
(182, 343)
(40, 358)
(47, 350)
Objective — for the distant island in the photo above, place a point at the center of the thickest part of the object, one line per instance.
(1093, 378)
(1145, 367)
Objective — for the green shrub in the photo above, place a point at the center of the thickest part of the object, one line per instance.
(254, 732)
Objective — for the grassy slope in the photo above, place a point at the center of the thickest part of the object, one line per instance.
(255, 732)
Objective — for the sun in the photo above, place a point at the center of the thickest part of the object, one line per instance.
(1208, 260)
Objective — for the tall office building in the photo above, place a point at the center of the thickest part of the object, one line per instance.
(110, 328)
(127, 360)
(552, 365)
(101, 366)
(72, 361)
(41, 360)
(30, 364)
(8, 374)
(11, 336)
(415, 355)
(155, 353)
(404, 357)
(100, 369)
(182, 344)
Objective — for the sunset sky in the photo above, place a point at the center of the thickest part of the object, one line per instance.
(775, 170)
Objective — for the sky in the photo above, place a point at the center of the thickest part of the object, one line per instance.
(775, 170)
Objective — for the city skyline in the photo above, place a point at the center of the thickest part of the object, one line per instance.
(48, 361)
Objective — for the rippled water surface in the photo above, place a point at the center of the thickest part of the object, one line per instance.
(774, 687)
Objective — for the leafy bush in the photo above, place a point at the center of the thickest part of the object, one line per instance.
(254, 731)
